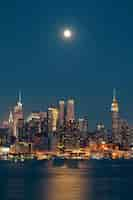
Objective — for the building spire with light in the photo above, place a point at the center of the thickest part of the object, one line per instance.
(114, 106)
(19, 103)
(114, 94)
(20, 96)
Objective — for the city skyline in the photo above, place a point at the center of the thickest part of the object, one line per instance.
(44, 108)
(66, 100)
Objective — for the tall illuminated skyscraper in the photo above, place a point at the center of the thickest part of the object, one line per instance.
(52, 119)
(10, 124)
(61, 113)
(17, 115)
(70, 113)
(115, 119)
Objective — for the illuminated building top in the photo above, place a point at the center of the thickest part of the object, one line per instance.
(114, 106)
(61, 102)
(19, 105)
(70, 110)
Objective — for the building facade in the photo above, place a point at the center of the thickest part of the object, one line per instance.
(61, 113)
(70, 111)
(116, 138)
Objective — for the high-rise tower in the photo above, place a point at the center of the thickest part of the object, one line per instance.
(61, 113)
(52, 119)
(10, 124)
(17, 115)
(70, 115)
(115, 119)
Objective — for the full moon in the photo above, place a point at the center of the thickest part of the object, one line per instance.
(67, 33)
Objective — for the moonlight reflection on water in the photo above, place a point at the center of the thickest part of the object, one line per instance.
(86, 181)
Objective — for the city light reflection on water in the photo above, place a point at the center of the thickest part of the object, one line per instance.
(87, 182)
(66, 184)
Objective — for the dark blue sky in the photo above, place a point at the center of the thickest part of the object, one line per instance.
(34, 58)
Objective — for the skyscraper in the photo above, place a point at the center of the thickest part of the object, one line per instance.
(70, 115)
(83, 125)
(17, 115)
(115, 119)
(52, 119)
(10, 124)
(61, 113)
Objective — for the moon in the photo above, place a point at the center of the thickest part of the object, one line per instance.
(67, 33)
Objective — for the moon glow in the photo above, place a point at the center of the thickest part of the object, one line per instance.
(67, 33)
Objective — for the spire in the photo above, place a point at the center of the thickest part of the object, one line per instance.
(19, 103)
(114, 94)
(114, 105)
(20, 97)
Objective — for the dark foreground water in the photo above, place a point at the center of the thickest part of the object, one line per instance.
(92, 180)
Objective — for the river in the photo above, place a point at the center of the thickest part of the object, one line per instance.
(92, 180)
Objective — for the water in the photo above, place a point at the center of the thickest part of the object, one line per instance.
(92, 180)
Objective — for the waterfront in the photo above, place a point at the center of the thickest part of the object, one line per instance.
(95, 180)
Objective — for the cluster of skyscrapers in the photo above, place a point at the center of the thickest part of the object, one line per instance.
(122, 133)
(55, 117)
(58, 126)
(55, 124)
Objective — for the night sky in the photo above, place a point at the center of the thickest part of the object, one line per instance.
(35, 58)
